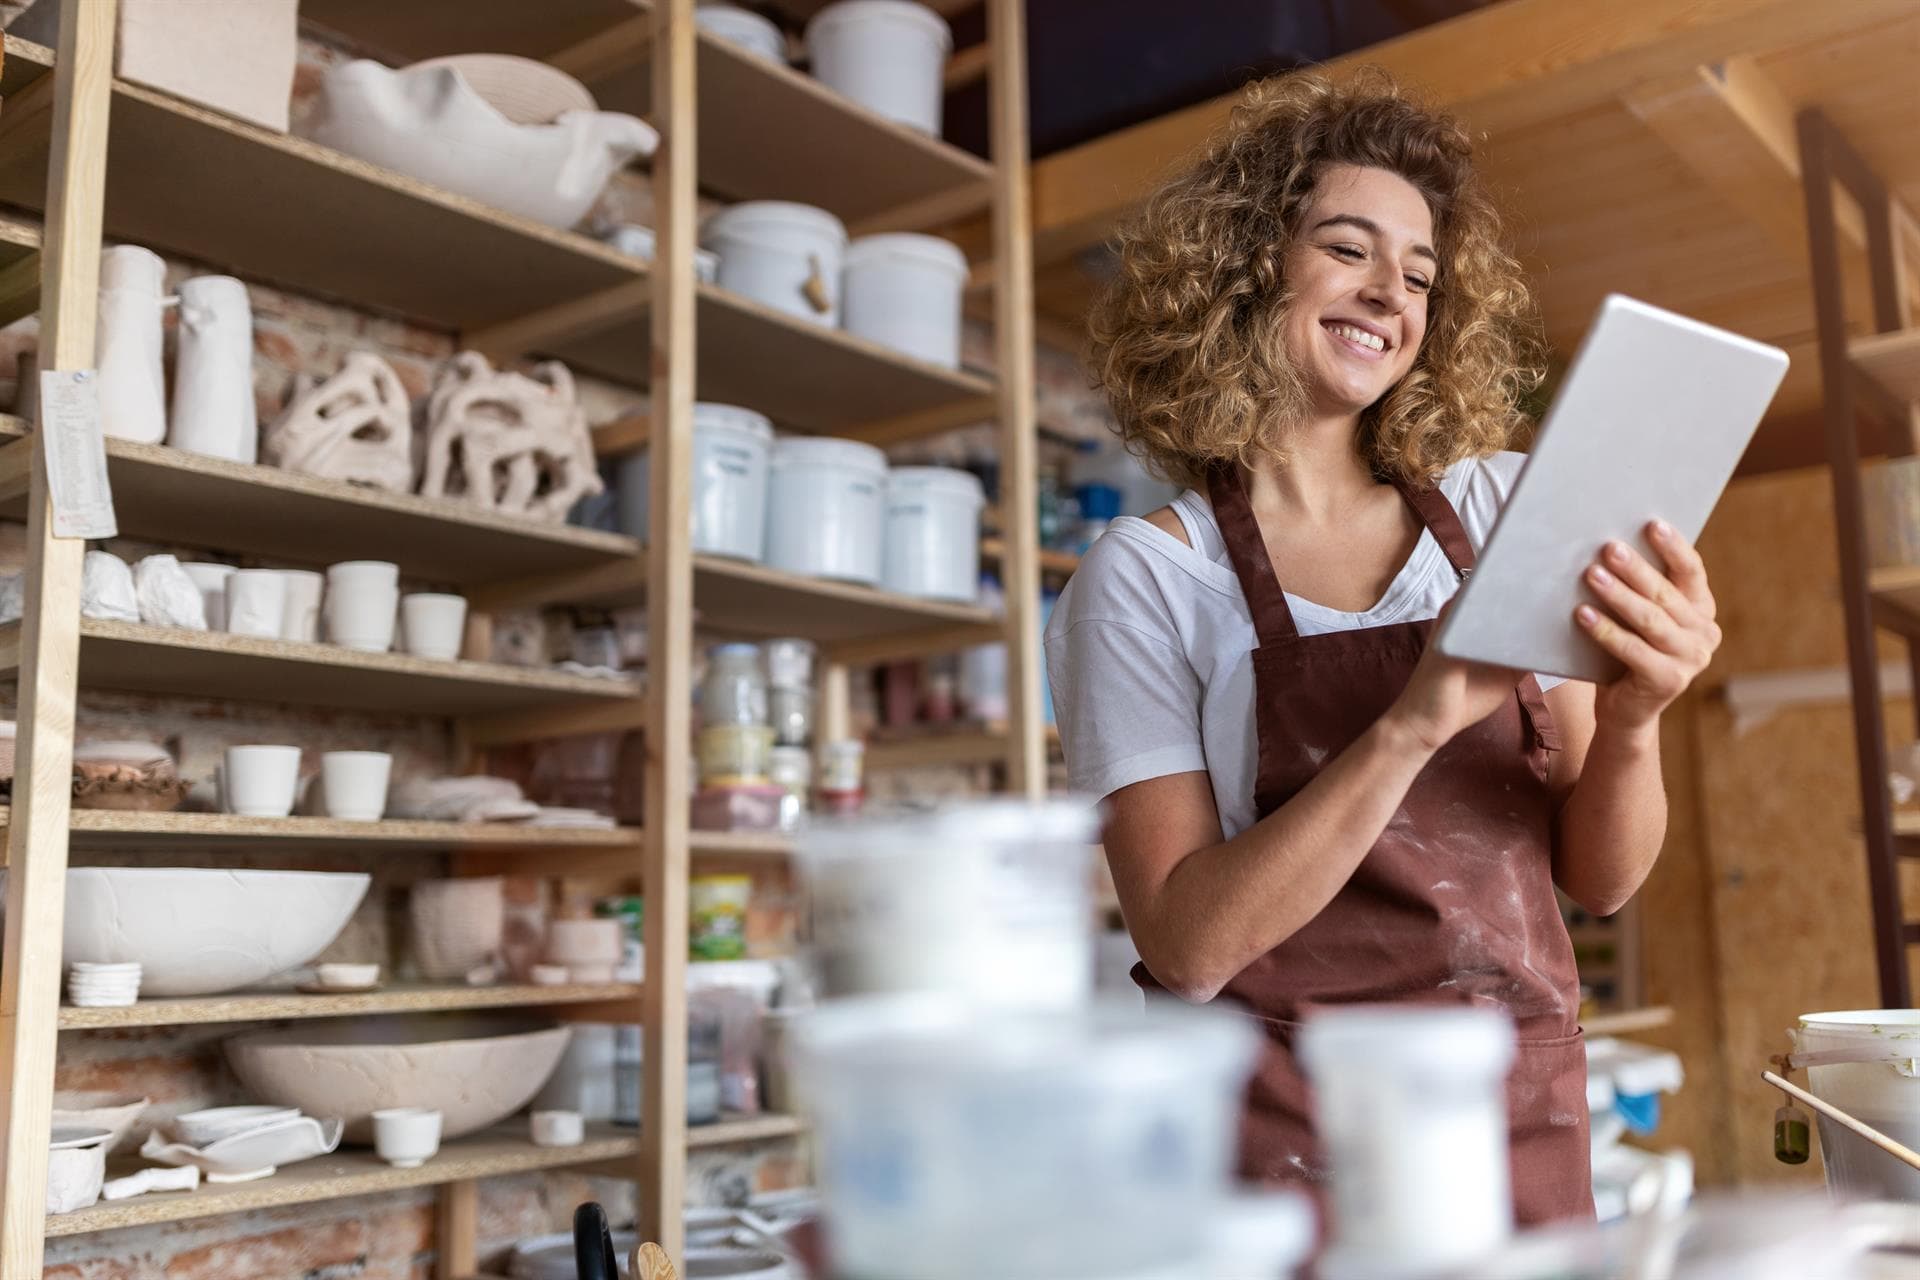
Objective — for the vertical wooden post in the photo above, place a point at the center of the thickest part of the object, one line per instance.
(1013, 344)
(50, 649)
(456, 1231)
(833, 713)
(1817, 170)
(663, 1105)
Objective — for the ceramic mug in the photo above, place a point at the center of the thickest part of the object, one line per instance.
(557, 1129)
(354, 784)
(434, 625)
(256, 600)
(406, 1137)
(261, 781)
(300, 619)
(361, 599)
(212, 581)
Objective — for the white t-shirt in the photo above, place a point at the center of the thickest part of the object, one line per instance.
(1149, 650)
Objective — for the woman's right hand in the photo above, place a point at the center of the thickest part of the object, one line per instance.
(1445, 695)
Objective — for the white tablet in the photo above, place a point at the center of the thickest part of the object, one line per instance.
(1650, 422)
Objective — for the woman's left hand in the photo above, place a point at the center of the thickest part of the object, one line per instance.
(1659, 624)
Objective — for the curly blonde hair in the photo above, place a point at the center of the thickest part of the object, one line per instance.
(1187, 338)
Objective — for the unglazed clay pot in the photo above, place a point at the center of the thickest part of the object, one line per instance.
(475, 1070)
(427, 122)
(201, 931)
(457, 924)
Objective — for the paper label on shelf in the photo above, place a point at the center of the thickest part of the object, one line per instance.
(76, 454)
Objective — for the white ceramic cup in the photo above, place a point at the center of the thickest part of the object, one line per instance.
(549, 975)
(434, 625)
(300, 619)
(256, 600)
(406, 1137)
(557, 1129)
(354, 784)
(361, 600)
(261, 781)
(212, 581)
(347, 975)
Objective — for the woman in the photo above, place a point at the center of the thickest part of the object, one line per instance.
(1317, 329)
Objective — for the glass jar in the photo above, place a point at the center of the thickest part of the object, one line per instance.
(791, 769)
(790, 663)
(791, 711)
(734, 691)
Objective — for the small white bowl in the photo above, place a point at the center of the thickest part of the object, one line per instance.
(558, 1129)
(347, 976)
(406, 1137)
(549, 975)
(204, 1128)
(591, 974)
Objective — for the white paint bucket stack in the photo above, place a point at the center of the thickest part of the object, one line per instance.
(785, 255)
(933, 533)
(889, 56)
(731, 450)
(826, 508)
(904, 292)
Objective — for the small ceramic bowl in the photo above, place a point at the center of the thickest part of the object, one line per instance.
(549, 975)
(558, 1129)
(406, 1137)
(592, 974)
(347, 976)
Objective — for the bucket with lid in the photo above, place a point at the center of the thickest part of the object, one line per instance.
(903, 291)
(1867, 1063)
(826, 508)
(933, 533)
(890, 56)
(784, 255)
(731, 447)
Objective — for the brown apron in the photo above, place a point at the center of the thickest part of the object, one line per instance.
(1455, 902)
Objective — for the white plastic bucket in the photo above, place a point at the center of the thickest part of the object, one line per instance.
(903, 291)
(933, 533)
(826, 508)
(988, 900)
(1095, 1141)
(1880, 1086)
(772, 251)
(730, 472)
(1411, 1102)
(890, 56)
(743, 28)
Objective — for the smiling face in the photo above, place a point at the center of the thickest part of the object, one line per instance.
(1360, 273)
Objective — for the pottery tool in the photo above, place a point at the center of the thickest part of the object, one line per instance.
(1906, 1155)
(650, 1262)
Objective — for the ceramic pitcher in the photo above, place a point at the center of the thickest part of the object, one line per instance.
(213, 409)
(127, 344)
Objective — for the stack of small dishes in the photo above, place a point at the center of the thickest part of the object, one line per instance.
(342, 979)
(239, 1144)
(100, 985)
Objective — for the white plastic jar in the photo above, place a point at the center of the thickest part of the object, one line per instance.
(730, 467)
(826, 508)
(784, 255)
(743, 29)
(890, 56)
(933, 533)
(903, 291)
(1411, 1103)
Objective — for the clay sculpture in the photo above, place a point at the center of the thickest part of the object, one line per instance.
(508, 442)
(356, 426)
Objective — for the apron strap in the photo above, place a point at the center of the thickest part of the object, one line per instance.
(1247, 550)
(1443, 522)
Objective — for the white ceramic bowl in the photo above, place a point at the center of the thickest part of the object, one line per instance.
(117, 1118)
(475, 1070)
(203, 1128)
(200, 931)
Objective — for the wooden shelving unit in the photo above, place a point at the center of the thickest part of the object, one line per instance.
(933, 746)
(105, 158)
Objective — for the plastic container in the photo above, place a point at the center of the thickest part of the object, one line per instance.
(734, 691)
(1096, 1140)
(933, 533)
(730, 451)
(734, 755)
(1411, 1103)
(791, 769)
(903, 291)
(841, 765)
(789, 663)
(990, 900)
(719, 924)
(827, 509)
(743, 28)
(791, 713)
(785, 255)
(1871, 1070)
(890, 56)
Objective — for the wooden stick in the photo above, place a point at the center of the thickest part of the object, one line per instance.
(1906, 1155)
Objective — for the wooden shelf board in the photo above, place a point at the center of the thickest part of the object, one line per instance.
(134, 657)
(1890, 362)
(800, 374)
(287, 211)
(736, 597)
(1056, 562)
(766, 131)
(504, 1150)
(111, 828)
(744, 1129)
(932, 746)
(171, 495)
(268, 1006)
(741, 844)
(1628, 1021)
(1896, 598)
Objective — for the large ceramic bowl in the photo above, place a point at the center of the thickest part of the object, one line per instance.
(474, 1070)
(198, 931)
